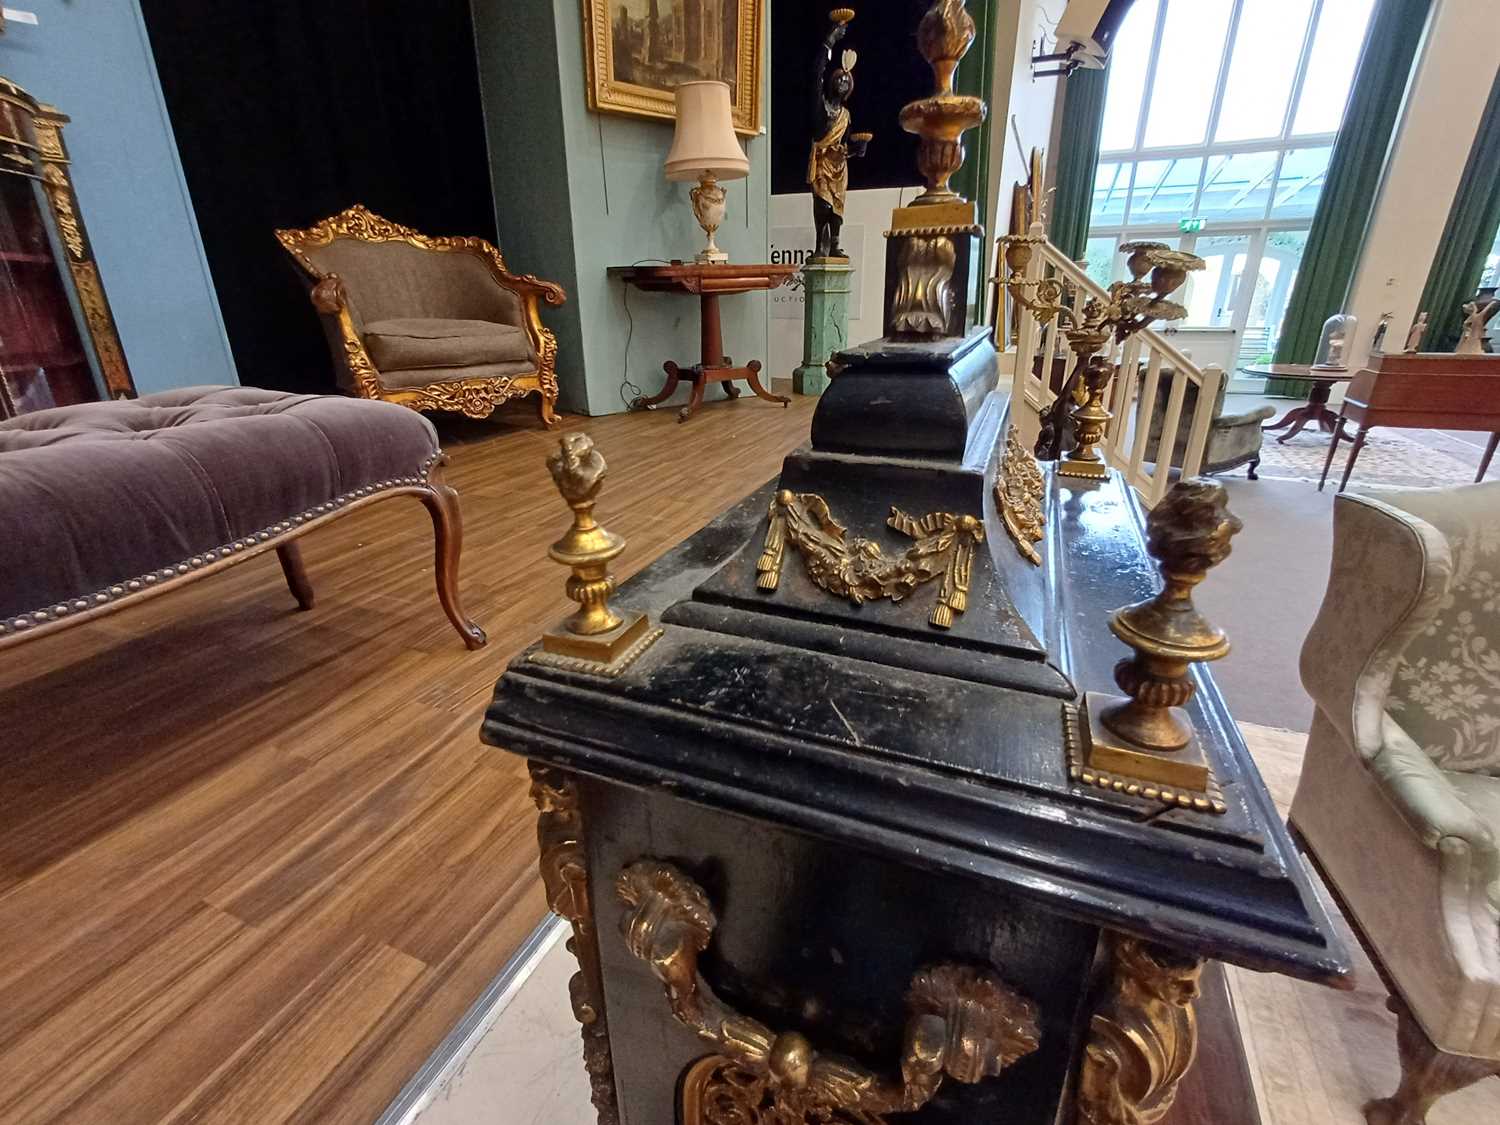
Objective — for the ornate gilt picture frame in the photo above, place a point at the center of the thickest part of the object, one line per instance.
(639, 50)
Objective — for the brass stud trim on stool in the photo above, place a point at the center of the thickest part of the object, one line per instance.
(141, 583)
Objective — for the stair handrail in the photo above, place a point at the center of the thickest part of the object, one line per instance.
(1140, 360)
(1078, 278)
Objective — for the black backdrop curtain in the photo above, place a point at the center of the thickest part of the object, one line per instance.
(889, 74)
(286, 112)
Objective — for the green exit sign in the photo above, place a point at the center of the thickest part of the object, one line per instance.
(1189, 226)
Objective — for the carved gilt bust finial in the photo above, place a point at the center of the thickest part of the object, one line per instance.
(1188, 532)
(578, 470)
(1143, 746)
(595, 634)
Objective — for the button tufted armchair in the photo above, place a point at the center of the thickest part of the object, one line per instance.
(1399, 800)
(430, 323)
(1233, 439)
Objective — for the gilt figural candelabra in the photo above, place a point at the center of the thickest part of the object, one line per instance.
(1156, 272)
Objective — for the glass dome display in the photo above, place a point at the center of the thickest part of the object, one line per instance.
(1335, 341)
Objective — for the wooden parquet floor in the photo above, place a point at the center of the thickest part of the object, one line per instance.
(255, 863)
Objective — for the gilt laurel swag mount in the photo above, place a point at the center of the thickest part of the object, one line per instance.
(858, 569)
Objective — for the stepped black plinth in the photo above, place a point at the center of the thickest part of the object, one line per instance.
(827, 842)
(840, 796)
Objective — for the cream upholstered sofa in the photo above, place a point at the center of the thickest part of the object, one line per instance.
(428, 323)
(1399, 800)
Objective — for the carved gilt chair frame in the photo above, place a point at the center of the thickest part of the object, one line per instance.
(476, 397)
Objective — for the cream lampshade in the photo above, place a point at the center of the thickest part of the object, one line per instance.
(705, 149)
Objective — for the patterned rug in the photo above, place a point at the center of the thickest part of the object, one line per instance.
(1389, 457)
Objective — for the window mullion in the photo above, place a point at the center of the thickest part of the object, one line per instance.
(1178, 152)
(1218, 101)
(1275, 184)
(1151, 65)
(1304, 60)
(1217, 106)
(1240, 321)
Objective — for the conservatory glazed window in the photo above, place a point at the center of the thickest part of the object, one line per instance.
(1219, 123)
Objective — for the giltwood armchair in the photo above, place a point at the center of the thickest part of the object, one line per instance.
(429, 323)
(1399, 799)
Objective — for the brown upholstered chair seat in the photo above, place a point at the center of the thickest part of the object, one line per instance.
(108, 497)
(431, 323)
(416, 343)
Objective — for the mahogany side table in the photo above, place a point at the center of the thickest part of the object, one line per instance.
(708, 283)
(1421, 390)
(1316, 408)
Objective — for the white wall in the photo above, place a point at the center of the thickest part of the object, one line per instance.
(1454, 74)
(1020, 30)
(870, 210)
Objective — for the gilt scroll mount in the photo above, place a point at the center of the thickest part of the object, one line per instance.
(962, 1023)
(1143, 1036)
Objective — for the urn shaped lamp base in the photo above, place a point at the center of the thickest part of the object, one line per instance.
(708, 208)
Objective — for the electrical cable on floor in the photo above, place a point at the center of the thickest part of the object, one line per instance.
(629, 390)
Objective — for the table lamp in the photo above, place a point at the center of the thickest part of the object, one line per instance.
(705, 149)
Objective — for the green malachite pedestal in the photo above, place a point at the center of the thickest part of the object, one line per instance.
(825, 321)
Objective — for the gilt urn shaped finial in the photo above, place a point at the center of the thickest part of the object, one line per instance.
(944, 36)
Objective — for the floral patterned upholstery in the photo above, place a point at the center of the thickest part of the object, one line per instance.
(1399, 797)
(1446, 693)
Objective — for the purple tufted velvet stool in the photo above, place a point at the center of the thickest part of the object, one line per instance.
(106, 504)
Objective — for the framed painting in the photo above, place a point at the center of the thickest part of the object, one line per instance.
(639, 50)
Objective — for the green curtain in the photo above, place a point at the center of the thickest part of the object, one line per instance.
(976, 76)
(1078, 140)
(1354, 174)
(1467, 236)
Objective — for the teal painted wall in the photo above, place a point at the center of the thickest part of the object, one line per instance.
(577, 192)
(93, 61)
(516, 44)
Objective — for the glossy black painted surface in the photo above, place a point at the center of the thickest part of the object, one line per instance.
(942, 769)
(898, 399)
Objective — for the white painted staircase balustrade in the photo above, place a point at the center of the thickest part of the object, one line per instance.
(1141, 361)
